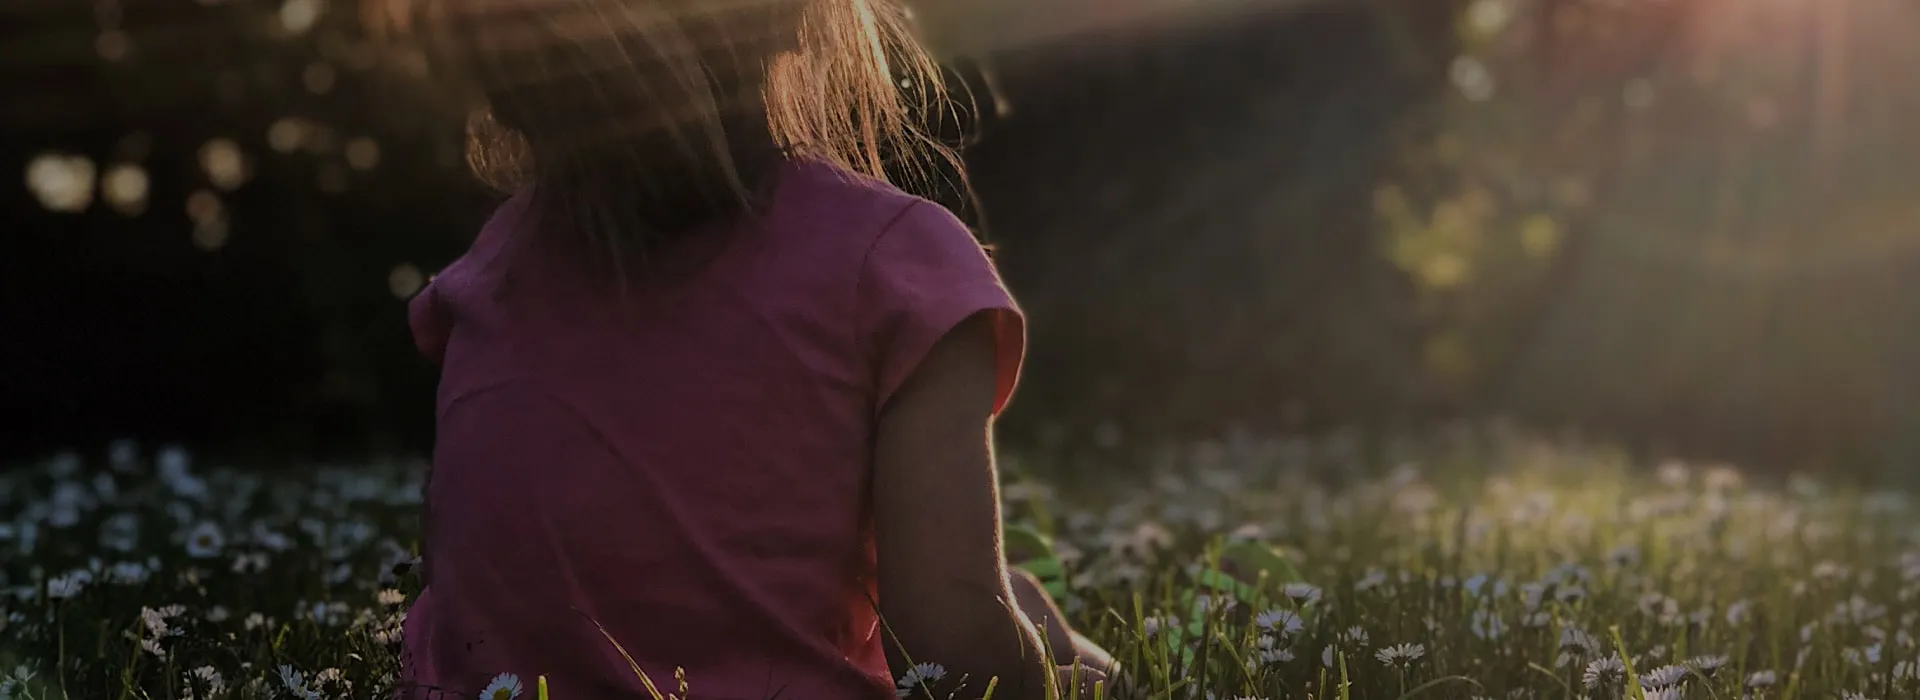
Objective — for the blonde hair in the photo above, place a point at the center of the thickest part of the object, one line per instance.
(633, 122)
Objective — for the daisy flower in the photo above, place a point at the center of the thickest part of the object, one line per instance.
(1603, 671)
(1302, 593)
(1671, 692)
(1282, 621)
(505, 686)
(1762, 679)
(1663, 676)
(391, 597)
(1708, 665)
(68, 586)
(1400, 655)
(205, 541)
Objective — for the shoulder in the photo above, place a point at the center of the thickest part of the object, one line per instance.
(855, 205)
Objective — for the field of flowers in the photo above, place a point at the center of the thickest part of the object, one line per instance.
(1479, 565)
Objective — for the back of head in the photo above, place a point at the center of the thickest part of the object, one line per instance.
(631, 123)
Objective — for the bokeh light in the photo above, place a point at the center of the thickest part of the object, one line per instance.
(125, 188)
(61, 182)
(113, 45)
(318, 77)
(288, 134)
(1472, 78)
(405, 280)
(224, 164)
(363, 153)
(299, 16)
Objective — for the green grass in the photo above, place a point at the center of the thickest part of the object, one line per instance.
(1492, 567)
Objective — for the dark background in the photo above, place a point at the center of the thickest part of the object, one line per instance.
(1689, 227)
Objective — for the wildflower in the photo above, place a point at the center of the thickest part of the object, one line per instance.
(267, 537)
(1354, 635)
(1486, 624)
(120, 533)
(249, 563)
(920, 675)
(1302, 593)
(1326, 656)
(295, 682)
(1624, 556)
(255, 621)
(1474, 583)
(218, 613)
(68, 586)
(1762, 679)
(1570, 594)
(128, 573)
(1274, 656)
(15, 684)
(209, 678)
(153, 647)
(1738, 611)
(1668, 692)
(156, 620)
(1152, 625)
(205, 541)
(1851, 695)
(1373, 579)
(1400, 655)
(1603, 671)
(1573, 639)
(1283, 621)
(1708, 665)
(1663, 676)
(391, 598)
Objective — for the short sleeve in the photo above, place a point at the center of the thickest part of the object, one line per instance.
(923, 277)
(427, 318)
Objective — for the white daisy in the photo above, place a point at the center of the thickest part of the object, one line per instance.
(1400, 655)
(1708, 665)
(1603, 671)
(249, 563)
(210, 678)
(1663, 676)
(1762, 679)
(1354, 635)
(1302, 593)
(505, 686)
(128, 573)
(921, 674)
(1575, 640)
(1152, 625)
(1671, 692)
(68, 586)
(205, 541)
(1486, 624)
(1285, 622)
(391, 597)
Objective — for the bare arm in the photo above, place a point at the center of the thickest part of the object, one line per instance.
(944, 590)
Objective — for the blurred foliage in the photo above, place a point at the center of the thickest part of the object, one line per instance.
(1685, 223)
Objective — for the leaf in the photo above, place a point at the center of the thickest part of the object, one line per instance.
(1249, 559)
(1024, 543)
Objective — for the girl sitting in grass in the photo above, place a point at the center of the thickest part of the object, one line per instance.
(714, 396)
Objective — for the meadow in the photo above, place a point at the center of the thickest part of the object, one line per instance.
(1478, 564)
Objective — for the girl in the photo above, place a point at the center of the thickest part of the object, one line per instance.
(713, 395)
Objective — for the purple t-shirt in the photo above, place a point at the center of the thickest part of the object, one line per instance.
(687, 466)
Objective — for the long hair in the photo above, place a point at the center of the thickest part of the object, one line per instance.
(632, 123)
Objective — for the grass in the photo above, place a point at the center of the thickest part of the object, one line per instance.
(1481, 566)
